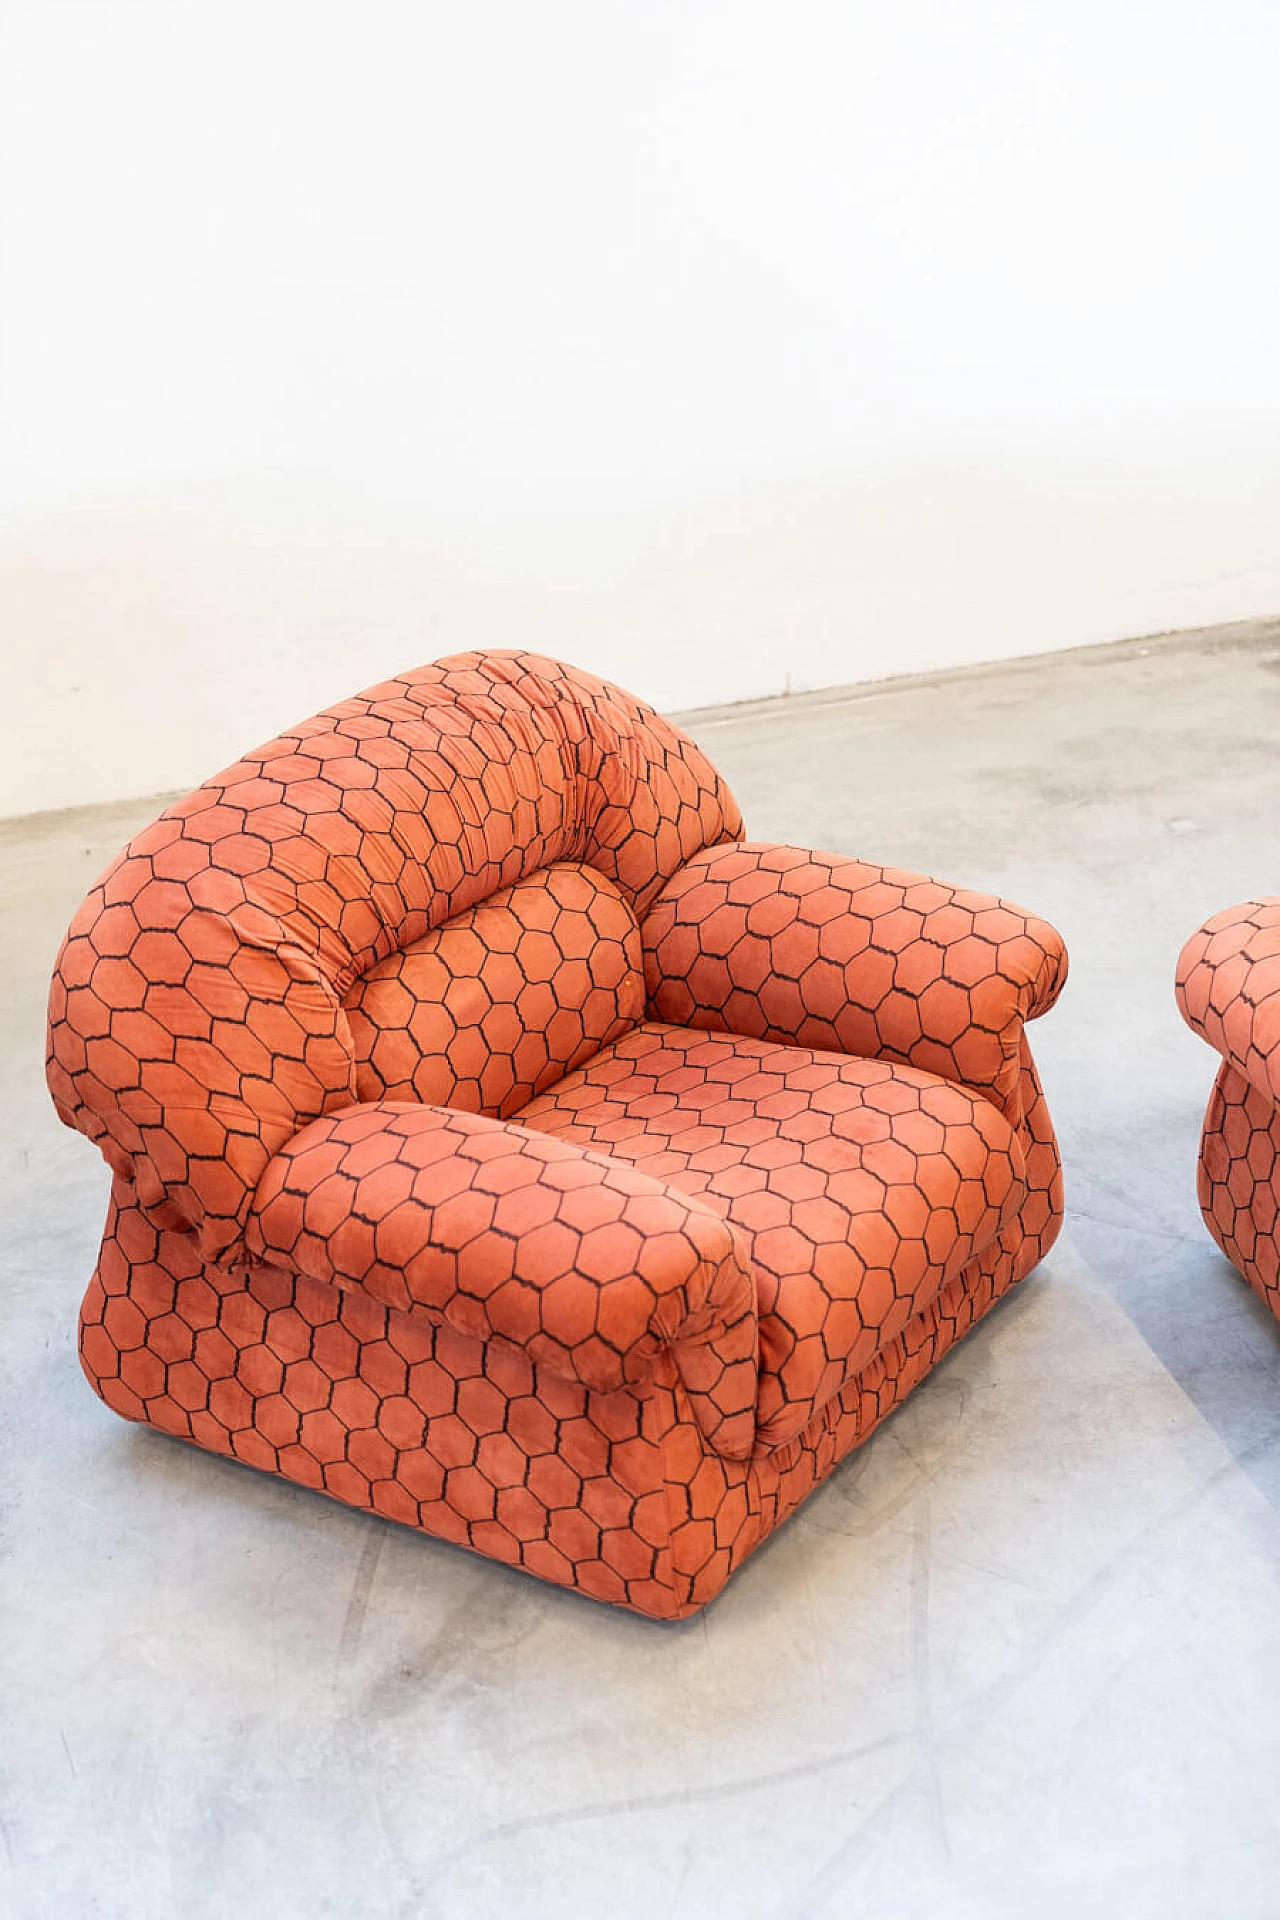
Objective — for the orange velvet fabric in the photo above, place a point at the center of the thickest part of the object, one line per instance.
(1228, 989)
(501, 1147)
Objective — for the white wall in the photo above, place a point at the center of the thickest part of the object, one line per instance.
(720, 345)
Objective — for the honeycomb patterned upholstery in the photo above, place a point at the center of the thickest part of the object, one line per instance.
(1228, 988)
(501, 1146)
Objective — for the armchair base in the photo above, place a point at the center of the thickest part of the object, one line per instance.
(617, 1495)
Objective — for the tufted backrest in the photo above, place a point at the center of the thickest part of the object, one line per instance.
(197, 1017)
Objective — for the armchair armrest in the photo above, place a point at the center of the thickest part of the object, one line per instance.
(589, 1266)
(776, 943)
(1228, 987)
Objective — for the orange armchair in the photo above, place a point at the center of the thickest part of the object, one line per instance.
(1228, 988)
(501, 1144)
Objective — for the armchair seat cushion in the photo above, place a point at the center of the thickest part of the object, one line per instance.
(860, 1186)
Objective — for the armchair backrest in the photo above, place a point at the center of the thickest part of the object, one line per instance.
(197, 1016)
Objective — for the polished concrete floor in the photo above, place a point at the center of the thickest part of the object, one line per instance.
(1019, 1657)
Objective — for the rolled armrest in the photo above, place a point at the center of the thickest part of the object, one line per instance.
(808, 948)
(1228, 988)
(589, 1266)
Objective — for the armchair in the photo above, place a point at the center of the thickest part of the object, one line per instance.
(502, 1144)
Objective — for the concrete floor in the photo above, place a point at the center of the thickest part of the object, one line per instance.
(1020, 1656)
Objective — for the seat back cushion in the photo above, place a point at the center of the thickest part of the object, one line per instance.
(503, 1000)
